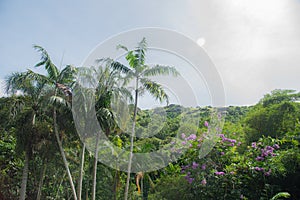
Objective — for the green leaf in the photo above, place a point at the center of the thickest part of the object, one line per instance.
(281, 195)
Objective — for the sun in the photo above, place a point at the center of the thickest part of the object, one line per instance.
(201, 41)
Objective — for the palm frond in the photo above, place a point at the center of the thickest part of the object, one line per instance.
(119, 92)
(67, 74)
(120, 67)
(105, 118)
(47, 63)
(115, 65)
(40, 78)
(160, 70)
(155, 89)
(56, 100)
(132, 59)
(14, 82)
(122, 47)
(141, 52)
(281, 195)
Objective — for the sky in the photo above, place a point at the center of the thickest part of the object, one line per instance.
(254, 44)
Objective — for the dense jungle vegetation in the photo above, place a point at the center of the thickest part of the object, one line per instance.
(256, 155)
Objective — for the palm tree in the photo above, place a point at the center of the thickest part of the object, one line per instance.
(31, 100)
(140, 72)
(105, 80)
(56, 79)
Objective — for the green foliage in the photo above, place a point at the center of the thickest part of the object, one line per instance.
(171, 187)
(274, 120)
(256, 157)
(278, 96)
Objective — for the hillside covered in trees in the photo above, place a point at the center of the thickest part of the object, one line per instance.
(256, 152)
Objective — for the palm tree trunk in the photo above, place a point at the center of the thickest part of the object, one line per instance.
(116, 183)
(39, 194)
(132, 139)
(24, 178)
(62, 152)
(79, 187)
(95, 168)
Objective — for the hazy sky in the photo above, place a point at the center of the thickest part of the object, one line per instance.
(255, 44)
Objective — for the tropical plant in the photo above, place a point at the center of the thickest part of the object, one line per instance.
(140, 72)
(24, 110)
(58, 81)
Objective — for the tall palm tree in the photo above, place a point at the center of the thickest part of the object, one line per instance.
(31, 100)
(105, 81)
(140, 72)
(56, 79)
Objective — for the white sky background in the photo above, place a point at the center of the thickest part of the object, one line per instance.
(255, 44)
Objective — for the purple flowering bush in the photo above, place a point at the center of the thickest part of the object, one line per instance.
(232, 171)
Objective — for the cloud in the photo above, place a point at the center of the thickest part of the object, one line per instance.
(254, 44)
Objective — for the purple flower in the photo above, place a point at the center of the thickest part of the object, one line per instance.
(239, 143)
(185, 166)
(190, 180)
(203, 167)
(273, 154)
(276, 146)
(268, 173)
(195, 165)
(242, 196)
(259, 158)
(220, 173)
(222, 153)
(203, 182)
(222, 136)
(183, 143)
(182, 135)
(206, 124)
(253, 144)
(259, 169)
(269, 148)
(232, 173)
(232, 140)
(231, 144)
(264, 153)
(192, 137)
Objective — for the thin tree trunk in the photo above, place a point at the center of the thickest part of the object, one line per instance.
(62, 179)
(24, 178)
(116, 183)
(86, 192)
(39, 194)
(79, 187)
(95, 168)
(62, 152)
(132, 139)
(142, 187)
